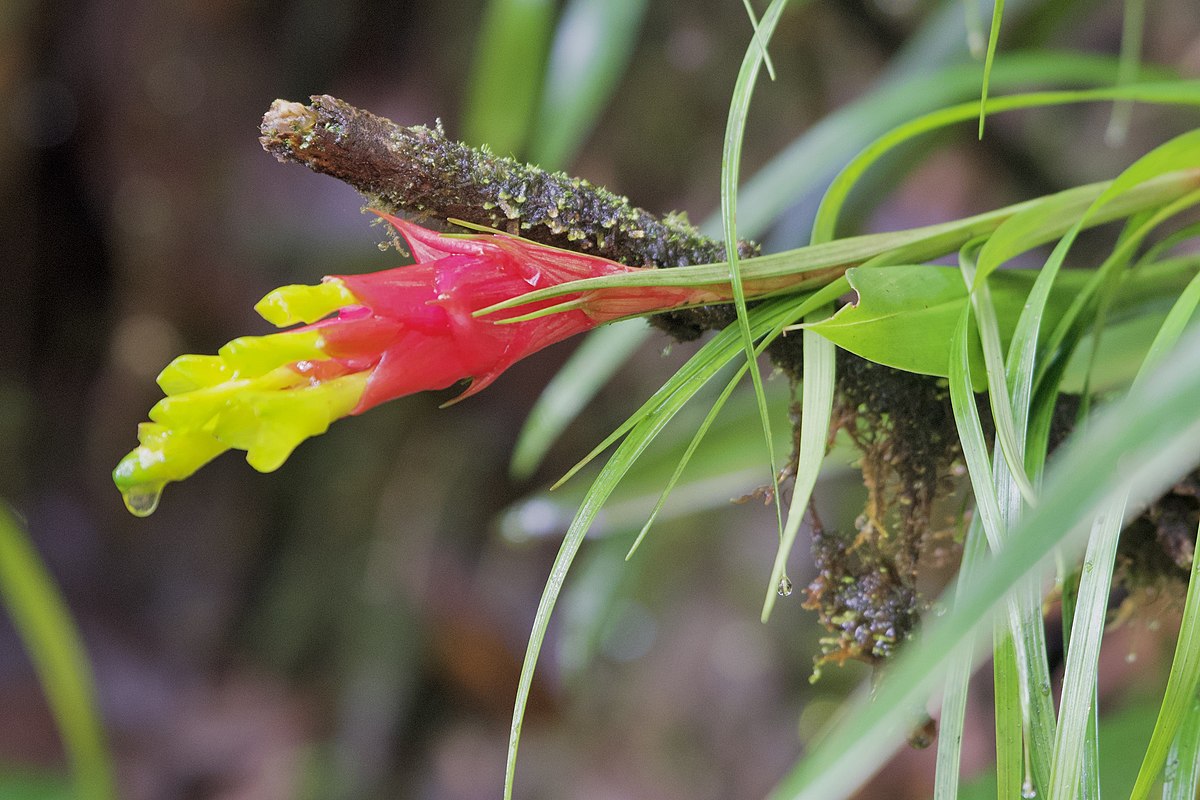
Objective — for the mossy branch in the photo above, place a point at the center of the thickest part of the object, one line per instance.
(417, 170)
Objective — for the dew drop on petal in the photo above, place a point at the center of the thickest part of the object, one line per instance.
(142, 500)
(785, 587)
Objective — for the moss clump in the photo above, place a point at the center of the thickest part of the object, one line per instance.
(866, 588)
(1156, 549)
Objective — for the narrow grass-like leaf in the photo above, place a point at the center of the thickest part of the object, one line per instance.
(1173, 326)
(602, 353)
(686, 457)
(993, 39)
(1183, 762)
(1184, 679)
(760, 39)
(816, 405)
(44, 624)
(1168, 93)
(1181, 692)
(820, 263)
(1181, 152)
(991, 489)
(507, 73)
(1153, 433)
(958, 678)
(1011, 771)
(1077, 704)
(731, 157)
(904, 316)
(812, 160)
(767, 319)
(720, 348)
(1010, 438)
(727, 465)
(593, 46)
(1067, 584)
(970, 433)
(1130, 59)
(1169, 242)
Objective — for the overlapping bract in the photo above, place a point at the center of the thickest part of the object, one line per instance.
(391, 333)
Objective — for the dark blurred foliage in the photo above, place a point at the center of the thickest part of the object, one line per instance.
(352, 626)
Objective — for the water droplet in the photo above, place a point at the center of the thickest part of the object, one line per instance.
(1130, 657)
(142, 500)
(1087, 566)
(785, 587)
(1027, 790)
(383, 246)
(1045, 689)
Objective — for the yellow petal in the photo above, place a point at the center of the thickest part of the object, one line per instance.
(288, 305)
(188, 373)
(252, 356)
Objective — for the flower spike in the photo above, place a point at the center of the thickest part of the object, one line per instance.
(361, 340)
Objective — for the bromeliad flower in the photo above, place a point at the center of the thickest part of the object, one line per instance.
(391, 334)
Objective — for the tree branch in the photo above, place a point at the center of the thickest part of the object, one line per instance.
(418, 171)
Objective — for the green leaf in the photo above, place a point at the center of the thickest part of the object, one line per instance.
(958, 679)
(1168, 93)
(1077, 705)
(506, 76)
(44, 624)
(1011, 780)
(904, 316)
(593, 45)
(1184, 679)
(731, 156)
(816, 405)
(814, 157)
(809, 268)
(766, 320)
(1153, 433)
(989, 58)
(1183, 763)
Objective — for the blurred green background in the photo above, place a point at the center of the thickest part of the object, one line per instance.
(352, 625)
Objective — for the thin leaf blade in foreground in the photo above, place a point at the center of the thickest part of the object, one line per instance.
(1153, 434)
(44, 624)
(767, 320)
(731, 156)
(602, 353)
